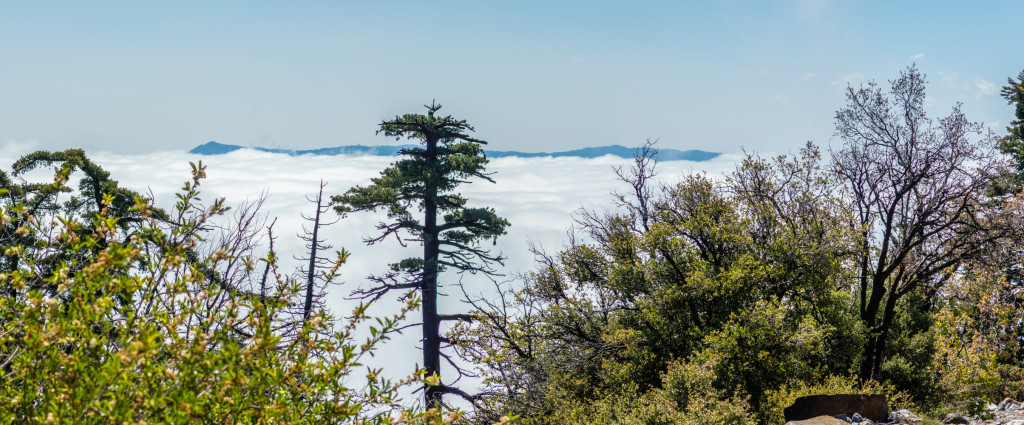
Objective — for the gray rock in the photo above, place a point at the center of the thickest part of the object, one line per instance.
(1009, 404)
(904, 416)
(857, 418)
(843, 417)
(956, 418)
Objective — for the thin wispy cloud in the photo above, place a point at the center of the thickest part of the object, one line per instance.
(950, 78)
(916, 57)
(985, 88)
(808, 76)
(851, 79)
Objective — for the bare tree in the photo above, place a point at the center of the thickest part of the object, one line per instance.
(918, 189)
(316, 245)
(638, 177)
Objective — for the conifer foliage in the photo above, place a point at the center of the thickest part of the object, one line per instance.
(450, 232)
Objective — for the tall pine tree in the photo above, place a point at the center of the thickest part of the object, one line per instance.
(1013, 143)
(450, 233)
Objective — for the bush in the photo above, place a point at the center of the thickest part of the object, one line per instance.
(130, 325)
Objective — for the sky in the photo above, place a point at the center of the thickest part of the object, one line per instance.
(145, 76)
(138, 83)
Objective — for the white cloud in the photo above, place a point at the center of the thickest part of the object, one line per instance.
(929, 101)
(916, 57)
(949, 79)
(851, 79)
(985, 88)
(781, 99)
(808, 76)
(537, 195)
(14, 149)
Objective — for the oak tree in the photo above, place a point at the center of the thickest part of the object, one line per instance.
(918, 186)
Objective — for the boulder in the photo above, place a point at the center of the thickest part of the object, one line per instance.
(870, 406)
(1009, 404)
(956, 418)
(904, 416)
(820, 420)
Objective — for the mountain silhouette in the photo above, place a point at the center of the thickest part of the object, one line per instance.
(214, 148)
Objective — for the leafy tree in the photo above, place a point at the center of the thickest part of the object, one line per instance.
(129, 330)
(689, 305)
(449, 232)
(918, 187)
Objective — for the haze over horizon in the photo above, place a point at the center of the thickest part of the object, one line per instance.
(719, 76)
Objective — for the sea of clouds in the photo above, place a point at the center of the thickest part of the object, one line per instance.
(537, 195)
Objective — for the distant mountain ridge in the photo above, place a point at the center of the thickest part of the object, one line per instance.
(214, 148)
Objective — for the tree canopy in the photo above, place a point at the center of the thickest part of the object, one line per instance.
(449, 231)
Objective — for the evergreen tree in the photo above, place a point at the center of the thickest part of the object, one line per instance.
(449, 232)
(1013, 143)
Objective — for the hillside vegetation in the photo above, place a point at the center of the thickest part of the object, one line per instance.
(889, 264)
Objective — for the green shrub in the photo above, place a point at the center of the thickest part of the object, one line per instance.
(130, 325)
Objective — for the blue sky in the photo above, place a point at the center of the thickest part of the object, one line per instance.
(144, 76)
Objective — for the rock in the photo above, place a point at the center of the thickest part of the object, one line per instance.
(956, 418)
(870, 406)
(857, 418)
(820, 420)
(903, 416)
(843, 417)
(1014, 422)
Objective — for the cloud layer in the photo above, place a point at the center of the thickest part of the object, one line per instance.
(537, 195)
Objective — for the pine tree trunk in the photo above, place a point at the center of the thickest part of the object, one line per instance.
(431, 248)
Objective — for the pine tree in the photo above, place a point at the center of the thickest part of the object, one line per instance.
(450, 233)
(1013, 143)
